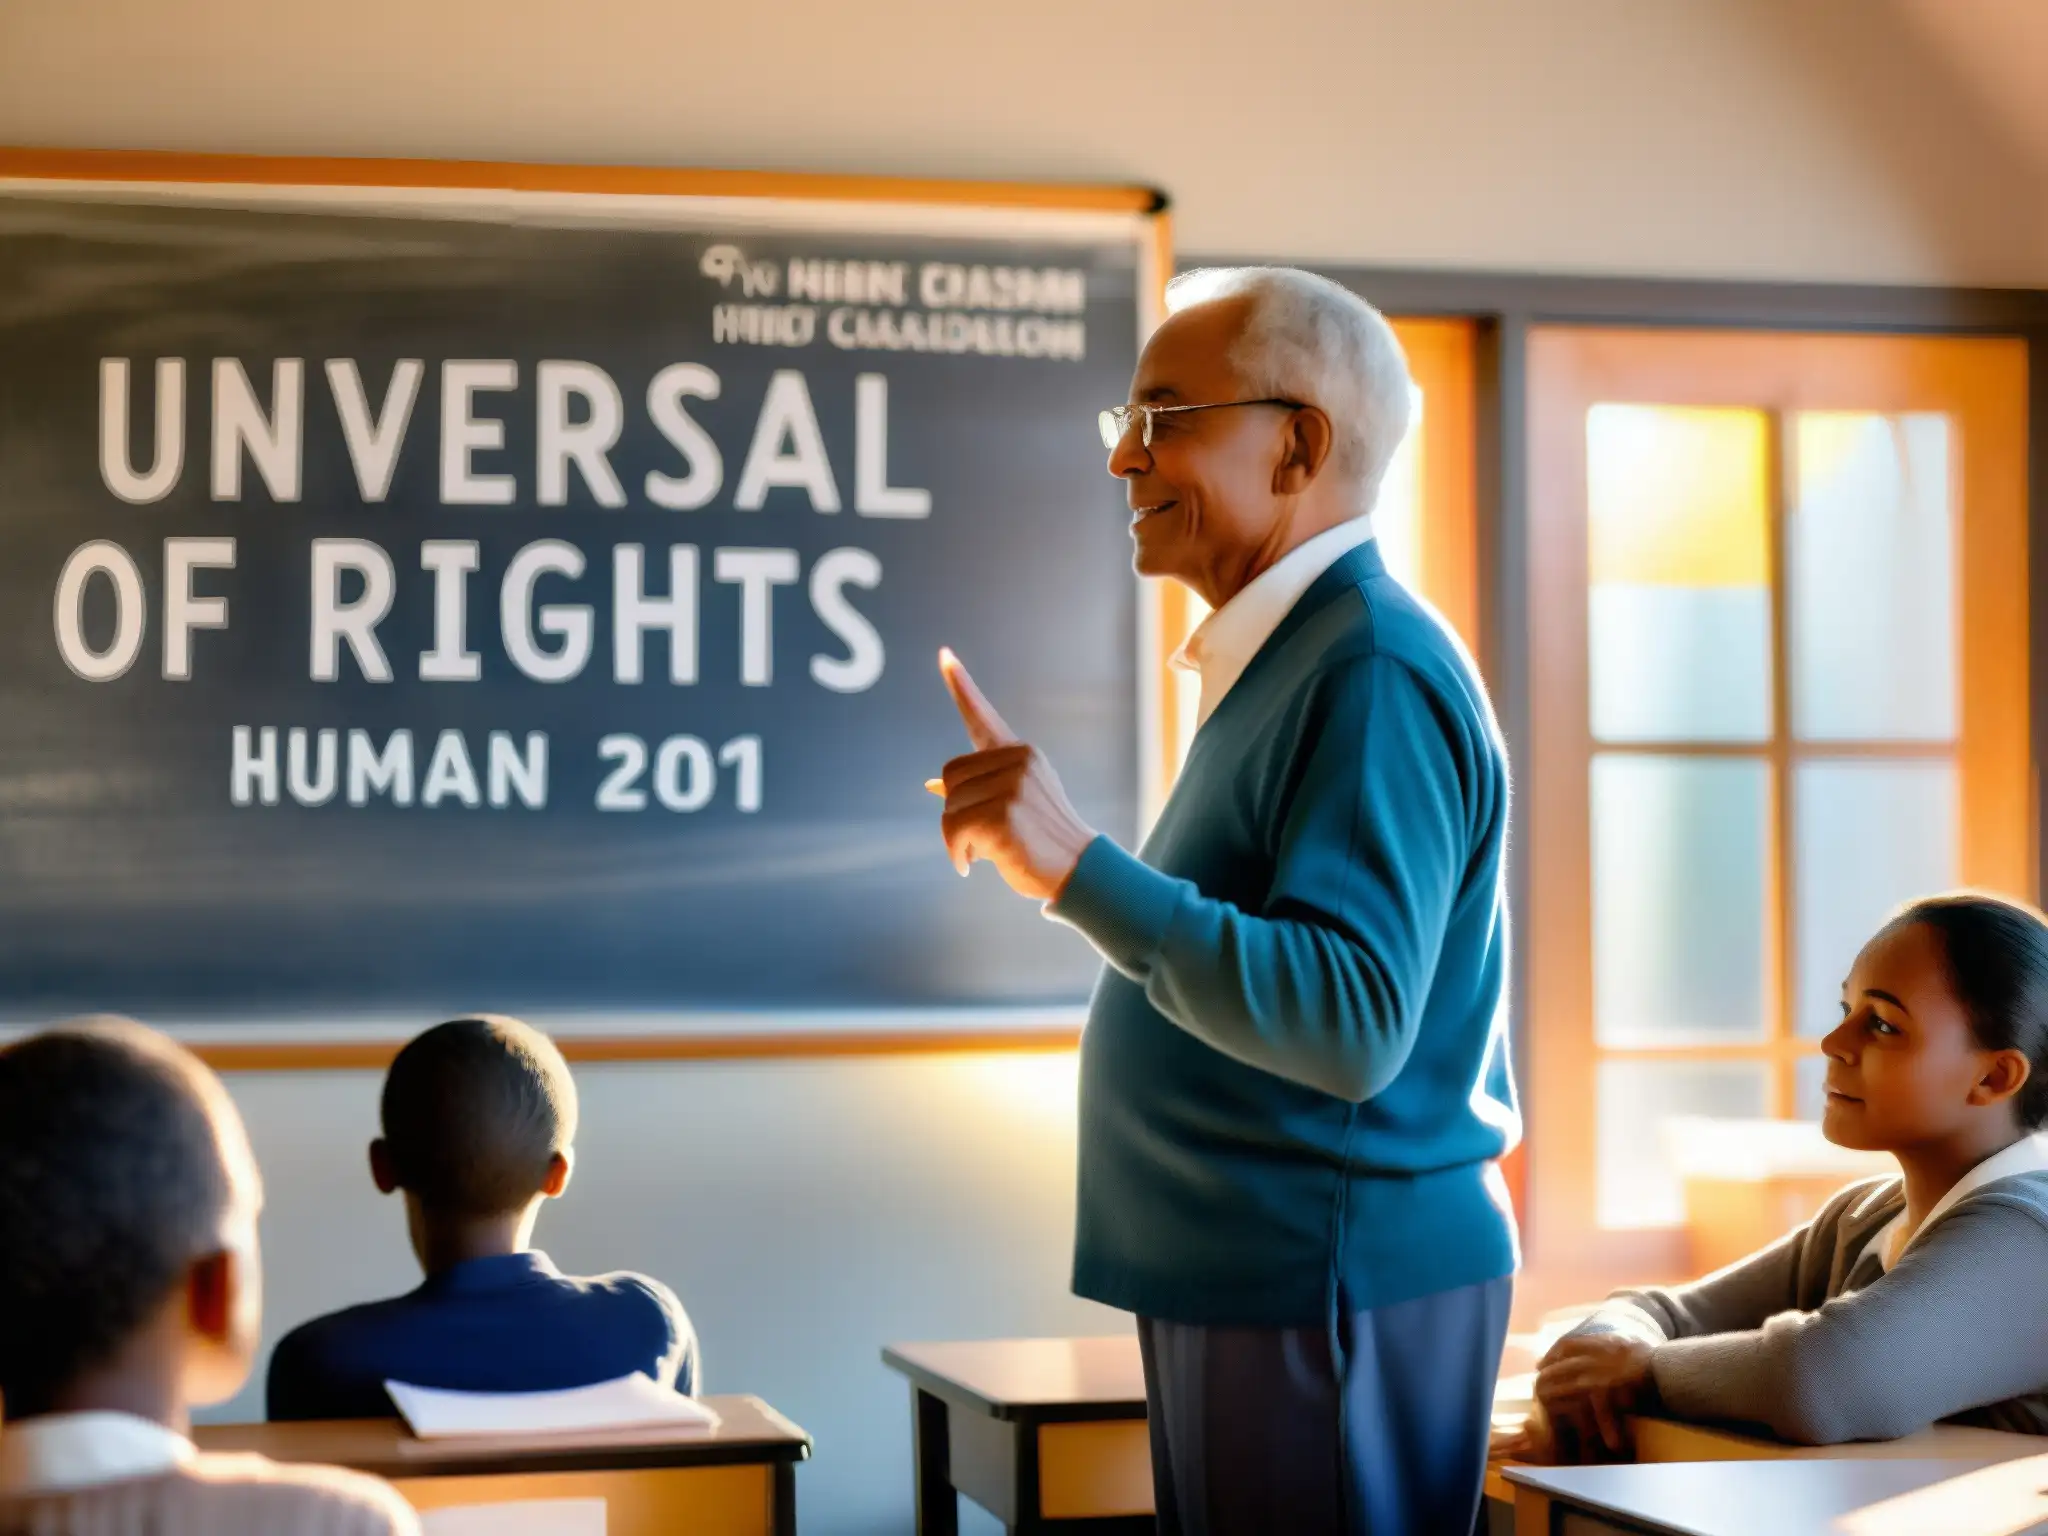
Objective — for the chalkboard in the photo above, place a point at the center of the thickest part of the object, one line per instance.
(472, 602)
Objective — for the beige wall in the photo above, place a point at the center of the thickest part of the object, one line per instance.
(1818, 139)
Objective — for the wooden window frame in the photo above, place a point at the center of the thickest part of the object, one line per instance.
(1981, 385)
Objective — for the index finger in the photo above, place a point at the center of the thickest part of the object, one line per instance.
(985, 728)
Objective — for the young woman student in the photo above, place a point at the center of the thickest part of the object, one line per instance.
(1906, 1300)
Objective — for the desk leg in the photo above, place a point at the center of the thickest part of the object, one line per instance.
(785, 1498)
(938, 1506)
(1026, 1490)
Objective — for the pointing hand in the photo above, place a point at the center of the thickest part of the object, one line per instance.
(1004, 803)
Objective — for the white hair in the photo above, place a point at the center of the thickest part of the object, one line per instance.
(1306, 338)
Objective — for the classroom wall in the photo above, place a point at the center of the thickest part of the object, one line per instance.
(1825, 139)
(810, 1212)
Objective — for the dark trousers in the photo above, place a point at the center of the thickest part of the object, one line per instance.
(1373, 1426)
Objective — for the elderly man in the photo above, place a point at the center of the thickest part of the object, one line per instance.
(1294, 1080)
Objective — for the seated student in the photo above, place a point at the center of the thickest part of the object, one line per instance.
(1906, 1300)
(479, 1115)
(128, 1293)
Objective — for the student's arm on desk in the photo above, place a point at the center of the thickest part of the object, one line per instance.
(1958, 1323)
(1741, 1296)
(689, 1370)
(1603, 1371)
(678, 1359)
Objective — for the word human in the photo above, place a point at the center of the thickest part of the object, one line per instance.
(504, 770)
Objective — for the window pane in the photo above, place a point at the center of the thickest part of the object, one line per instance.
(1872, 604)
(1397, 515)
(1680, 857)
(1809, 1079)
(1868, 836)
(1637, 1185)
(1679, 542)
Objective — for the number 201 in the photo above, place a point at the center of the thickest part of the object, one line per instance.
(685, 775)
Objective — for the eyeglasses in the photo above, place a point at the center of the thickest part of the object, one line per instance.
(1116, 421)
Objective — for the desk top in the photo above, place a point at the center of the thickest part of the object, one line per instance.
(1674, 1440)
(1034, 1380)
(749, 1431)
(1663, 1441)
(1806, 1498)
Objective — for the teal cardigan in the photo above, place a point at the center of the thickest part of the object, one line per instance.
(1294, 1078)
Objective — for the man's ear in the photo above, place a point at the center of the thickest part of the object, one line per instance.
(210, 1287)
(560, 1166)
(383, 1172)
(1304, 450)
(2004, 1076)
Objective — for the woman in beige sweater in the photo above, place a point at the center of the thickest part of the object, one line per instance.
(1872, 1321)
(128, 1293)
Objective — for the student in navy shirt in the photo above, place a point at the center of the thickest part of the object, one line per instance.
(479, 1115)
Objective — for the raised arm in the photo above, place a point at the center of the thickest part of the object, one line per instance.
(1325, 982)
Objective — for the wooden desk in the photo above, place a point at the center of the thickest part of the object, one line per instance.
(1870, 1496)
(736, 1480)
(1042, 1433)
(1667, 1441)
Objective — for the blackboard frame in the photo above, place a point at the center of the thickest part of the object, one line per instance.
(369, 1043)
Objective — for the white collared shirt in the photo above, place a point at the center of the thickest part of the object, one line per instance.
(1226, 641)
(61, 1451)
(2027, 1155)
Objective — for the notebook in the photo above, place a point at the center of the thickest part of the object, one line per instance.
(530, 1517)
(630, 1402)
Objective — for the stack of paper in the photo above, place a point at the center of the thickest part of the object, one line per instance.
(631, 1402)
(531, 1517)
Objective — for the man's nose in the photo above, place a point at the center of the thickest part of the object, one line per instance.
(1130, 456)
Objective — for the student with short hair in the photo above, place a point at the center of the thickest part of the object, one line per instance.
(129, 1292)
(1906, 1300)
(479, 1120)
